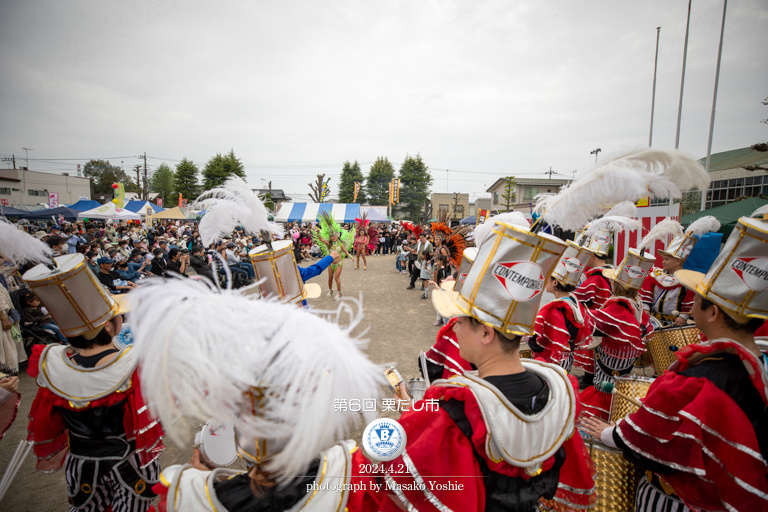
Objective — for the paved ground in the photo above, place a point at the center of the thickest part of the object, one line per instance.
(399, 326)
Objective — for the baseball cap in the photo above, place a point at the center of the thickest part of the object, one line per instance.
(103, 260)
(230, 245)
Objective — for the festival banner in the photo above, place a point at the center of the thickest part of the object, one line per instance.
(481, 216)
(396, 190)
(53, 199)
(357, 190)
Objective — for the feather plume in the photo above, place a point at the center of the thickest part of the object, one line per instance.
(661, 231)
(760, 212)
(615, 223)
(231, 204)
(20, 246)
(624, 209)
(706, 224)
(484, 230)
(201, 350)
(627, 177)
(440, 227)
(363, 221)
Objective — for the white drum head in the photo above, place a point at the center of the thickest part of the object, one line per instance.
(216, 442)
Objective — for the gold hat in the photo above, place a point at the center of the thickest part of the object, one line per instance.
(738, 279)
(571, 266)
(504, 284)
(74, 297)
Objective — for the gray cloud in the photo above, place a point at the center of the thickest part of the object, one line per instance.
(489, 87)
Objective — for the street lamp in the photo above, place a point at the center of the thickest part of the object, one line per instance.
(595, 152)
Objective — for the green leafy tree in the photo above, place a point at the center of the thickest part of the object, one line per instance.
(162, 182)
(379, 178)
(185, 181)
(221, 167)
(415, 181)
(350, 174)
(509, 194)
(103, 175)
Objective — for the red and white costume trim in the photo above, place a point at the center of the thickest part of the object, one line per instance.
(592, 292)
(692, 426)
(552, 331)
(662, 294)
(624, 326)
(445, 352)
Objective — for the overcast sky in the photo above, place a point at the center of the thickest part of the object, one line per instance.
(482, 88)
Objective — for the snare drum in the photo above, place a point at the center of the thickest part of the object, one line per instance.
(216, 443)
(633, 386)
(616, 479)
(417, 387)
(662, 339)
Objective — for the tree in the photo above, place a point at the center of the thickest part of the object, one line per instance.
(266, 198)
(103, 175)
(317, 188)
(509, 193)
(379, 178)
(765, 102)
(454, 215)
(350, 174)
(185, 181)
(221, 167)
(691, 202)
(414, 186)
(162, 182)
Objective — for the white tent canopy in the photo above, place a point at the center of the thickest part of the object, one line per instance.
(109, 211)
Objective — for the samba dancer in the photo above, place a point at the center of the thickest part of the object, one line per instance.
(702, 431)
(110, 440)
(366, 239)
(330, 236)
(662, 294)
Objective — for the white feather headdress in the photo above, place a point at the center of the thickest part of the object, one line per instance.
(618, 219)
(201, 350)
(661, 231)
(706, 224)
(231, 204)
(627, 177)
(20, 246)
(484, 230)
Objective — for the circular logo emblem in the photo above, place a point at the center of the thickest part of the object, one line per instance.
(602, 239)
(462, 277)
(572, 264)
(384, 439)
(103, 209)
(523, 280)
(753, 271)
(667, 281)
(634, 272)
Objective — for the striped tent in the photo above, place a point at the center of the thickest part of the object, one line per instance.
(649, 216)
(308, 212)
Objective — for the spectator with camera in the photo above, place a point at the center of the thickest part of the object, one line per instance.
(179, 260)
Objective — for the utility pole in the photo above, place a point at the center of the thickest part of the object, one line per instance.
(550, 172)
(595, 152)
(714, 106)
(653, 95)
(27, 150)
(146, 194)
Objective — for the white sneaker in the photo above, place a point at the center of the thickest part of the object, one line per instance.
(338, 296)
(330, 292)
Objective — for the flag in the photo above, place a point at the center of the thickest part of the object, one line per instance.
(357, 189)
(396, 187)
(120, 196)
(391, 190)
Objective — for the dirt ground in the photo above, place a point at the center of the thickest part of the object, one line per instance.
(399, 325)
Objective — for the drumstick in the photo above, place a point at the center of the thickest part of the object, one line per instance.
(608, 387)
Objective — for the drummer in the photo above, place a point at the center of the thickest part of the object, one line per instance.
(662, 294)
(621, 326)
(593, 291)
(563, 324)
(702, 432)
(109, 441)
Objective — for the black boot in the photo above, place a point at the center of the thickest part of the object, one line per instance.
(587, 380)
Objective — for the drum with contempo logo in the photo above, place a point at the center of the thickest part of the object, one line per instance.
(666, 341)
(279, 271)
(633, 386)
(216, 443)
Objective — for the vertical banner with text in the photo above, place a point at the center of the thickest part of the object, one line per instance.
(53, 199)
